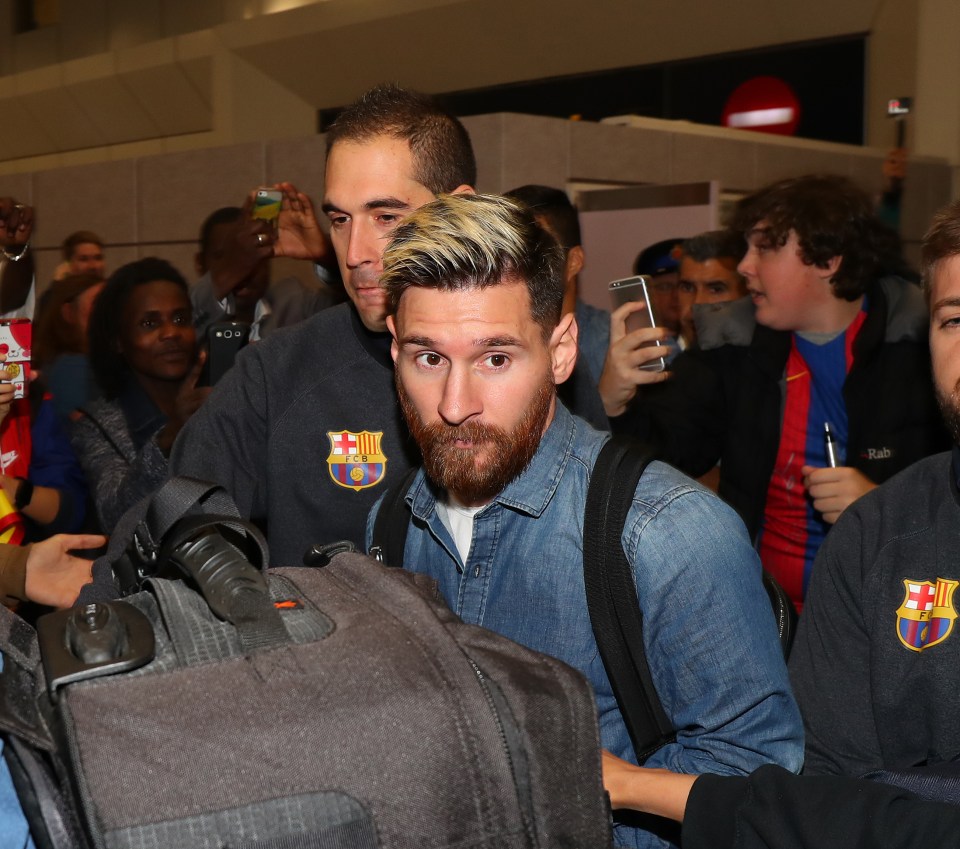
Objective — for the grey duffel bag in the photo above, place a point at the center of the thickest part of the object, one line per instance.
(342, 707)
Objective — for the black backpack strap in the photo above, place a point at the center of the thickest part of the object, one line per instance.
(784, 613)
(612, 595)
(392, 523)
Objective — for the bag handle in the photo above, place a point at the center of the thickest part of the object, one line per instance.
(235, 590)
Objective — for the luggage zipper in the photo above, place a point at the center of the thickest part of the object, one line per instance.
(512, 747)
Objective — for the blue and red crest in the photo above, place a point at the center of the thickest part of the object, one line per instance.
(355, 460)
(926, 615)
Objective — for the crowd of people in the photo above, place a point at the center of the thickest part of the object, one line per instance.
(799, 391)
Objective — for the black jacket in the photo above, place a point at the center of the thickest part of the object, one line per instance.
(774, 809)
(725, 402)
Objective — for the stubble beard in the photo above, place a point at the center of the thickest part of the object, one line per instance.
(458, 469)
(950, 410)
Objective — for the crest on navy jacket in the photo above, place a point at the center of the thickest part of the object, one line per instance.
(356, 460)
(927, 614)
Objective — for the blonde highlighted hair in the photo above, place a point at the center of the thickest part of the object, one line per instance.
(466, 241)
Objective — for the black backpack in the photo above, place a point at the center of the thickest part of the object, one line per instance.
(611, 594)
(302, 708)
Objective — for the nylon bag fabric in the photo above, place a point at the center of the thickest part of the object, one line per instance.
(384, 721)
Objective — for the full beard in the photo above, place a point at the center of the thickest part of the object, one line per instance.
(458, 468)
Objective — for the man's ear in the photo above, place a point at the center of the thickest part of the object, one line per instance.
(574, 261)
(464, 189)
(392, 327)
(563, 348)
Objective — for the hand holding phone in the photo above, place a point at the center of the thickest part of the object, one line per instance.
(634, 289)
(635, 356)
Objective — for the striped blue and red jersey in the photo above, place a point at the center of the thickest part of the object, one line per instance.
(792, 530)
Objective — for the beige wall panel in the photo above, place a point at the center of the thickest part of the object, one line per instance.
(535, 150)
(22, 134)
(130, 150)
(115, 113)
(194, 141)
(36, 49)
(255, 107)
(179, 255)
(99, 197)
(120, 255)
(83, 28)
(178, 190)
(891, 68)
(199, 71)
(607, 152)
(84, 156)
(176, 97)
(865, 170)
(775, 162)
(197, 45)
(936, 123)
(63, 120)
(170, 99)
(133, 23)
(301, 161)
(486, 134)
(61, 117)
(19, 186)
(925, 191)
(699, 158)
(30, 164)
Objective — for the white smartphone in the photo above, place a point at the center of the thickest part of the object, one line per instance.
(635, 289)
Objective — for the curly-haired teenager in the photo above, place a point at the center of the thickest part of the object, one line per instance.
(826, 338)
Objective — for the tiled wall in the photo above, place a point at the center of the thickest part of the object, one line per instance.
(155, 204)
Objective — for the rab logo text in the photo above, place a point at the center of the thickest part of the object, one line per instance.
(355, 460)
(926, 615)
(877, 454)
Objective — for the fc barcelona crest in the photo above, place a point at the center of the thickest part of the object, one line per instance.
(355, 460)
(926, 615)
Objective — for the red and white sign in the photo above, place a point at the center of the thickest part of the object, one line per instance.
(763, 104)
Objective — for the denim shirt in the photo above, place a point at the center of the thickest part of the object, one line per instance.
(708, 627)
